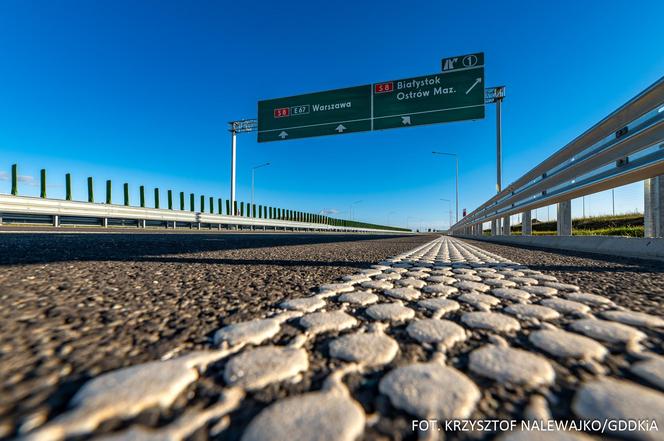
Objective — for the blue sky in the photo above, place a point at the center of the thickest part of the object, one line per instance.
(141, 92)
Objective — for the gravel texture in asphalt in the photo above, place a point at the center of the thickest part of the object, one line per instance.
(637, 284)
(444, 331)
(78, 305)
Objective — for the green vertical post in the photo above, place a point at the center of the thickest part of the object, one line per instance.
(141, 191)
(126, 194)
(241, 208)
(260, 211)
(235, 212)
(170, 199)
(253, 210)
(14, 179)
(202, 203)
(191, 202)
(219, 206)
(42, 183)
(182, 200)
(91, 191)
(156, 198)
(68, 186)
(109, 191)
(211, 205)
(228, 207)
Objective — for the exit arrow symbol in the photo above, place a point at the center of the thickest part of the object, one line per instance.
(477, 81)
(405, 120)
(283, 135)
(340, 128)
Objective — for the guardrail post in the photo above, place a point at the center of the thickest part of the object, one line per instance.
(141, 195)
(68, 186)
(192, 207)
(109, 188)
(507, 229)
(56, 220)
(14, 179)
(42, 182)
(126, 194)
(495, 227)
(653, 207)
(156, 198)
(91, 192)
(527, 223)
(564, 223)
(170, 199)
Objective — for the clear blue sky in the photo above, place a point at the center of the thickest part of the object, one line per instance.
(140, 92)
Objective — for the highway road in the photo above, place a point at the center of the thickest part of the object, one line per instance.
(339, 337)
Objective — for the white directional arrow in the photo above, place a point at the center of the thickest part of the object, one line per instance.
(340, 128)
(283, 135)
(405, 120)
(477, 81)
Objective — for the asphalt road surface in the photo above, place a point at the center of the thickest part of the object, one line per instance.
(245, 337)
(78, 304)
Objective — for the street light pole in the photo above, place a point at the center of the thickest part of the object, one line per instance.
(388, 217)
(450, 209)
(350, 212)
(253, 172)
(456, 157)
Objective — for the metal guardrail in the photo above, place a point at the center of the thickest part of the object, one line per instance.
(110, 214)
(623, 148)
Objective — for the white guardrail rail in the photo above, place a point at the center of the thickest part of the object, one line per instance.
(625, 147)
(62, 212)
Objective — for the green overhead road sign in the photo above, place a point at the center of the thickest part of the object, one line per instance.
(455, 94)
(431, 99)
(315, 114)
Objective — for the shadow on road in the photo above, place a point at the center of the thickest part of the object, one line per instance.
(36, 248)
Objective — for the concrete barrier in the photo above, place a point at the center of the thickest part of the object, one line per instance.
(641, 248)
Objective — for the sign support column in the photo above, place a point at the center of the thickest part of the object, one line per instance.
(233, 157)
(499, 145)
